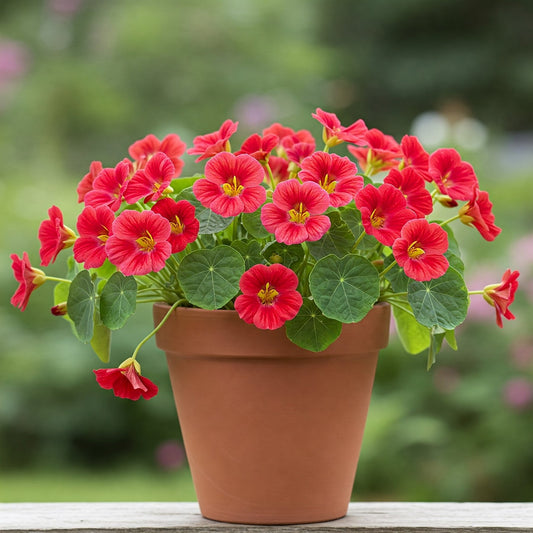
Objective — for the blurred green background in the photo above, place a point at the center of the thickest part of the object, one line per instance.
(82, 79)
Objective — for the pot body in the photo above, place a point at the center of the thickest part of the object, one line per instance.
(272, 432)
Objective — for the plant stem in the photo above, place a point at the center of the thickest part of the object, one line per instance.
(61, 280)
(450, 220)
(357, 242)
(385, 270)
(156, 329)
(476, 292)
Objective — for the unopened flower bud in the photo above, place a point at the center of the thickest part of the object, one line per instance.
(446, 201)
(59, 309)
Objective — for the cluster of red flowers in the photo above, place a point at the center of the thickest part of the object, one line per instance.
(130, 218)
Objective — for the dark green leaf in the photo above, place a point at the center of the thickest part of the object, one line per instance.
(250, 251)
(311, 330)
(209, 222)
(252, 224)
(287, 255)
(338, 240)
(118, 300)
(210, 278)
(352, 216)
(80, 305)
(344, 289)
(440, 302)
(396, 275)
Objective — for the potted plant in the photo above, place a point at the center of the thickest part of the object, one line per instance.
(272, 274)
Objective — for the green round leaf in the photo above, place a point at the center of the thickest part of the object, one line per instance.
(250, 251)
(338, 240)
(344, 289)
(118, 300)
(311, 330)
(210, 278)
(80, 305)
(440, 302)
(396, 275)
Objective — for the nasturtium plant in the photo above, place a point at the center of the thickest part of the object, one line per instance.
(281, 231)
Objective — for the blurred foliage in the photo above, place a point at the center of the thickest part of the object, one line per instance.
(81, 80)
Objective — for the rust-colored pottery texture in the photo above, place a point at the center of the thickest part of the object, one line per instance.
(272, 432)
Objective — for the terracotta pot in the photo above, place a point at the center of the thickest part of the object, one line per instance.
(272, 432)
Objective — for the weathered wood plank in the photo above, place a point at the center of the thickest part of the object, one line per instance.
(363, 517)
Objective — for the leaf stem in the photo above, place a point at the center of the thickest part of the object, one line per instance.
(357, 242)
(60, 280)
(385, 270)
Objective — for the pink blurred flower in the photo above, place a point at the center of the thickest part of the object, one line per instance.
(170, 455)
(518, 393)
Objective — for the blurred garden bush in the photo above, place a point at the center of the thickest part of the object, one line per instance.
(81, 80)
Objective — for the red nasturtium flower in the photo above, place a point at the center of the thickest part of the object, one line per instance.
(299, 151)
(279, 166)
(453, 177)
(29, 279)
(336, 175)
(420, 250)
(296, 212)
(126, 381)
(208, 145)
(269, 297)
(110, 185)
(414, 156)
(54, 236)
(172, 146)
(477, 212)
(259, 147)
(412, 186)
(232, 185)
(334, 133)
(139, 243)
(86, 183)
(94, 227)
(501, 295)
(184, 225)
(381, 152)
(383, 212)
(151, 181)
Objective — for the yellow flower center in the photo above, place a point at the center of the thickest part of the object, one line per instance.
(414, 251)
(299, 214)
(146, 242)
(328, 186)
(232, 187)
(176, 226)
(267, 294)
(377, 220)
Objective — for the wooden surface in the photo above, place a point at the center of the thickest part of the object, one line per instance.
(366, 517)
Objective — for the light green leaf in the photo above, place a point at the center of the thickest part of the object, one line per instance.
(344, 289)
(101, 342)
(106, 270)
(311, 330)
(80, 305)
(338, 240)
(440, 302)
(414, 337)
(118, 300)
(210, 278)
(179, 184)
